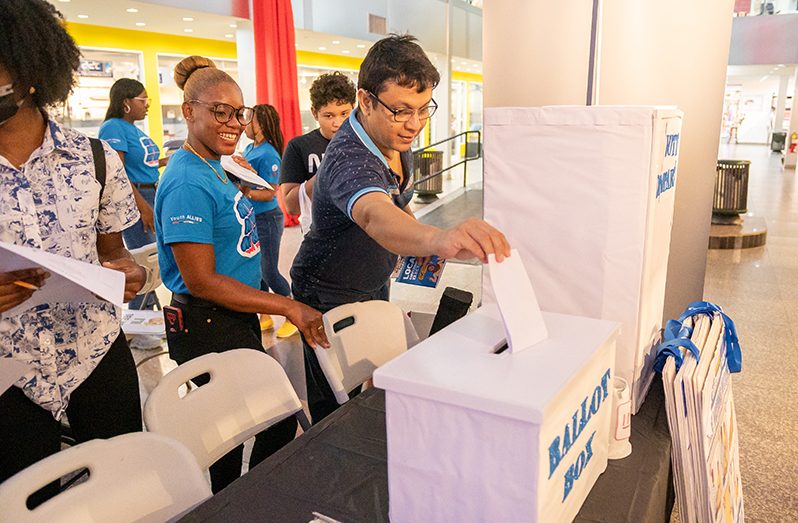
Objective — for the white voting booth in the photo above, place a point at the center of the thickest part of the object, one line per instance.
(586, 195)
(478, 431)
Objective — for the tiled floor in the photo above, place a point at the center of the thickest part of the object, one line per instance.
(757, 287)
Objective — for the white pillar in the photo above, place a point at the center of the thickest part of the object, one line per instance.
(781, 99)
(790, 159)
(245, 51)
(663, 53)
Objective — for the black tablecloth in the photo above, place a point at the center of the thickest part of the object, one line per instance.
(339, 469)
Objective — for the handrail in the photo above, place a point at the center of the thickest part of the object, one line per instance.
(463, 162)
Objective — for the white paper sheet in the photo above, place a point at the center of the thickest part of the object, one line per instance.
(70, 281)
(515, 296)
(10, 371)
(244, 174)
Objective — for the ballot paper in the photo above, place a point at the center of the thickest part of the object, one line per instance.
(243, 174)
(10, 371)
(518, 305)
(70, 281)
(702, 421)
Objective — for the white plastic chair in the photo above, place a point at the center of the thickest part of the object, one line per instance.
(248, 392)
(363, 337)
(140, 477)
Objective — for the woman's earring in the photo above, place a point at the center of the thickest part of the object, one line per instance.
(127, 108)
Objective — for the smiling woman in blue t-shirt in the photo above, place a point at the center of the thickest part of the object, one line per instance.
(140, 154)
(208, 247)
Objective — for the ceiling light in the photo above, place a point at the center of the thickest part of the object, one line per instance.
(322, 48)
(64, 1)
(345, 51)
(336, 42)
(228, 35)
(132, 10)
(187, 30)
(140, 24)
(188, 19)
(361, 46)
(233, 26)
(83, 16)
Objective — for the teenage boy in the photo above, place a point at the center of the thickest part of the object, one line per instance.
(360, 206)
(332, 98)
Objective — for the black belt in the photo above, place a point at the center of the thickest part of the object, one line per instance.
(145, 185)
(188, 299)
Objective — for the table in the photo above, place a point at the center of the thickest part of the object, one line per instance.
(339, 469)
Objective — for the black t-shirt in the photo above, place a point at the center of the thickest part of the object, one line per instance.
(302, 157)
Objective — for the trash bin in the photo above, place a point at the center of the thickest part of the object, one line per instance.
(731, 187)
(426, 163)
(777, 141)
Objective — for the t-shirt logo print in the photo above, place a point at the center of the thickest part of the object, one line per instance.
(248, 243)
(151, 152)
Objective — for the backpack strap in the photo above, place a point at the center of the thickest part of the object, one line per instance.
(98, 153)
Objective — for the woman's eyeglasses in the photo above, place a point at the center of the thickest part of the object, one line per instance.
(225, 112)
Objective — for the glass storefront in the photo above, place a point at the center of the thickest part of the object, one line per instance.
(99, 69)
(174, 126)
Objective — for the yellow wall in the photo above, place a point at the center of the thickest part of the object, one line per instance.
(149, 44)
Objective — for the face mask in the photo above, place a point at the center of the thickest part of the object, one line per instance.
(8, 106)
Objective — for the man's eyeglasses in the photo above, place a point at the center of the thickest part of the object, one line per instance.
(225, 112)
(404, 115)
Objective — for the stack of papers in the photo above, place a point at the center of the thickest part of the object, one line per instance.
(143, 322)
(700, 406)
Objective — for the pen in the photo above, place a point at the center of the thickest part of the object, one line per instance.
(26, 285)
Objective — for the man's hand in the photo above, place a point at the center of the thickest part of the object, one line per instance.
(471, 239)
(12, 294)
(309, 322)
(135, 275)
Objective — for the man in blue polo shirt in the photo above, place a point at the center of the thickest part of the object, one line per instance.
(361, 217)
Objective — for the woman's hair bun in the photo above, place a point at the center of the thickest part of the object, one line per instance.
(189, 65)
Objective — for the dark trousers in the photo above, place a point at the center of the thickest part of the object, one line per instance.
(105, 405)
(321, 398)
(270, 226)
(135, 237)
(206, 329)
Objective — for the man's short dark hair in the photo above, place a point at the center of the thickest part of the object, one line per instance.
(397, 58)
(37, 51)
(332, 87)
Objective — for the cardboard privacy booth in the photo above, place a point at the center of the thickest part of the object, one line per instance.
(586, 195)
(518, 435)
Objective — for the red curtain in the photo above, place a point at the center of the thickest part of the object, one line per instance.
(275, 68)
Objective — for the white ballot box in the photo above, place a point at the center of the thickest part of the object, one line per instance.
(586, 195)
(516, 436)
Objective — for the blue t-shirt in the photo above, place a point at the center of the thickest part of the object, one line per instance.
(338, 262)
(193, 205)
(266, 161)
(141, 153)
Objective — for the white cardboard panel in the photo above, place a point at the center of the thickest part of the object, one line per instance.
(577, 192)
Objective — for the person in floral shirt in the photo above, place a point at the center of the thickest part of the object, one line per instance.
(77, 358)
